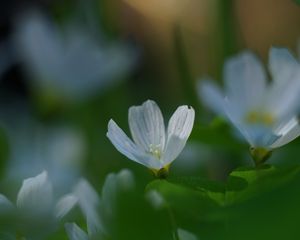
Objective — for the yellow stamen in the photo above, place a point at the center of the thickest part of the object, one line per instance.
(155, 150)
(258, 117)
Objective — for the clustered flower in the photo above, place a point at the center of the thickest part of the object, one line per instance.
(250, 102)
(265, 112)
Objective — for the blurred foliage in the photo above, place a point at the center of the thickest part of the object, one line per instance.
(297, 1)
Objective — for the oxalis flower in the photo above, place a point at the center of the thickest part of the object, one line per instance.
(67, 61)
(100, 213)
(36, 208)
(265, 113)
(152, 145)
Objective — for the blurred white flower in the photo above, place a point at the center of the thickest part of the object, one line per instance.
(265, 113)
(153, 147)
(36, 198)
(90, 204)
(36, 203)
(33, 148)
(68, 61)
(57, 150)
(114, 186)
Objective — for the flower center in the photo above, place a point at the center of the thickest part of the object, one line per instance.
(254, 117)
(155, 150)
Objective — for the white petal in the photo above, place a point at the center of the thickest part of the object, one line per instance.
(185, 235)
(126, 180)
(288, 133)
(75, 233)
(124, 145)
(5, 204)
(245, 81)
(281, 64)
(36, 194)
(89, 202)
(156, 199)
(147, 125)
(179, 129)
(113, 189)
(211, 96)
(114, 184)
(259, 135)
(283, 99)
(64, 205)
(109, 192)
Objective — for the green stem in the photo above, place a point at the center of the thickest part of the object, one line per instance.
(260, 155)
(226, 35)
(173, 223)
(186, 78)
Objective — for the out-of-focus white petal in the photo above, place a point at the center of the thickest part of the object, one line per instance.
(75, 233)
(156, 199)
(179, 129)
(283, 98)
(109, 195)
(69, 60)
(64, 205)
(36, 194)
(245, 80)
(147, 125)
(287, 133)
(281, 64)
(42, 59)
(115, 184)
(89, 202)
(5, 204)
(185, 235)
(126, 180)
(124, 145)
(259, 135)
(211, 96)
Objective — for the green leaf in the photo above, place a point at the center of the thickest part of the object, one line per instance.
(272, 214)
(251, 174)
(193, 209)
(245, 183)
(211, 189)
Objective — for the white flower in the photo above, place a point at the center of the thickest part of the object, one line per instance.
(68, 60)
(114, 186)
(36, 196)
(153, 146)
(36, 201)
(265, 113)
(58, 150)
